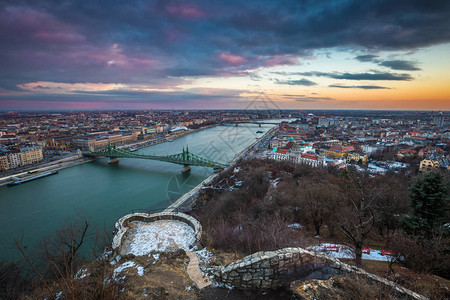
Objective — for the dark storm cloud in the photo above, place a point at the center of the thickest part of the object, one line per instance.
(360, 76)
(402, 65)
(303, 81)
(141, 41)
(364, 87)
(366, 58)
(137, 96)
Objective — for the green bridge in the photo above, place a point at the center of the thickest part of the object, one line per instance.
(184, 158)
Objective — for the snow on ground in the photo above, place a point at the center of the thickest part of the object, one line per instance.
(204, 256)
(58, 295)
(126, 265)
(295, 226)
(275, 181)
(346, 252)
(81, 274)
(158, 236)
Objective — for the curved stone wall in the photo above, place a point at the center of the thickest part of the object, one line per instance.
(122, 225)
(267, 270)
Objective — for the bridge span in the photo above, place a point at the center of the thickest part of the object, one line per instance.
(185, 158)
(249, 122)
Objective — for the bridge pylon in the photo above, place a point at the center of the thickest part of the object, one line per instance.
(113, 160)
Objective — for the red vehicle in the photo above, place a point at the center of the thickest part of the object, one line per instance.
(331, 248)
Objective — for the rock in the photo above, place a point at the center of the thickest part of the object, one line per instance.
(247, 277)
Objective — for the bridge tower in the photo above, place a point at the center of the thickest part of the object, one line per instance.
(186, 167)
(112, 160)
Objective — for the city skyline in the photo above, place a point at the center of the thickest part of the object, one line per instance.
(80, 55)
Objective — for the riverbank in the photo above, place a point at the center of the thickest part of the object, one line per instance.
(75, 160)
(186, 200)
(56, 165)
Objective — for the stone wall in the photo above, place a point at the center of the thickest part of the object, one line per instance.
(269, 269)
(122, 225)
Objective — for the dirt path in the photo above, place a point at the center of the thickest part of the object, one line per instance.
(194, 272)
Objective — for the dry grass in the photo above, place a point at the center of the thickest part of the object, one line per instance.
(164, 278)
(429, 285)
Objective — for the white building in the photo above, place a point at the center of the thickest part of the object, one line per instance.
(14, 160)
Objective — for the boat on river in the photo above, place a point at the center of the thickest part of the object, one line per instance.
(17, 181)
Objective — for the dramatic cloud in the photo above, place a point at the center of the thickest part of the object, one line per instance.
(360, 76)
(140, 42)
(403, 65)
(303, 81)
(366, 58)
(313, 99)
(364, 87)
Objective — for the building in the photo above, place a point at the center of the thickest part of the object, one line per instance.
(406, 153)
(312, 160)
(428, 165)
(102, 141)
(298, 158)
(280, 154)
(434, 162)
(278, 143)
(339, 151)
(31, 155)
(91, 143)
(14, 160)
(3, 163)
(438, 119)
(357, 157)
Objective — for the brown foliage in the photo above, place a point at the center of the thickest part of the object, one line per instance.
(430, 256)
(251, 235)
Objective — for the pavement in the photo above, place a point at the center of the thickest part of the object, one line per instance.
(194, 272)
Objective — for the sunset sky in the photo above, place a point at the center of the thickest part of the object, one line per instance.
(304, 54)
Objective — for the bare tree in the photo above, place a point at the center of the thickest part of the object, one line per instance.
(318, 203)
(392, 201)
(359, 216)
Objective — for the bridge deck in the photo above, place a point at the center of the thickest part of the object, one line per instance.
(185, 158)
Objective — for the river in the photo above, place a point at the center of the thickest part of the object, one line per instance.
(102, 192)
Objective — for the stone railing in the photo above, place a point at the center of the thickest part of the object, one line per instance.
(122, 225)
(267, 270)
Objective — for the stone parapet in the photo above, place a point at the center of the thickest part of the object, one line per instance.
(122, 225)
(269, 269)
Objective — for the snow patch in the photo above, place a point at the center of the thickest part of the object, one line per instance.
(81, 274)
(58, 295)
(204, 256)
(158, 236)
(126, 265)
(295, 226)
(342, 251)
(275, 181)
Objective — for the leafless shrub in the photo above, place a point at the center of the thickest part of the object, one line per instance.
(56, 265)
(14, 280)
(422, 257)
